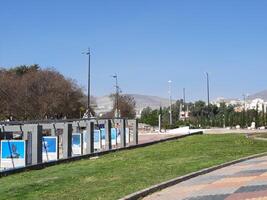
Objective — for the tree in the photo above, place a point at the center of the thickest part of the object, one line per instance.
(126, 106)
(29, 93)
(149, 116)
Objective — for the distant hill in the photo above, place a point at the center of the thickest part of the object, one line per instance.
(262, 95)
(104, 103)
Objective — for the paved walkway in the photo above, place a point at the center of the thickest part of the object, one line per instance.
(145, 138)
(243, 181)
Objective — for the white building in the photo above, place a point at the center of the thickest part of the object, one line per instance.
(254, 104)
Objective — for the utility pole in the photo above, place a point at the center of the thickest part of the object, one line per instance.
(208, 96)
(184, 98)
(160, 117)
(117, 95)
(244, 98)
(170, 101)
(184, 105)
(89, 80)
(208, 88)
(244, 110)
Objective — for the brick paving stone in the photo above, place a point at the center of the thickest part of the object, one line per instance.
(242, 181)
(255, 172)
(247, 195)
(251, 188)
(209, 197)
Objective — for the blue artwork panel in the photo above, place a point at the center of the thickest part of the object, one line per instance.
(76, 140)
(103, 133)
(96, 135)
(49, 144)
(113, 133)
(13, 149)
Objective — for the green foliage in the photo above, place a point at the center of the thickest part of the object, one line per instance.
(150, 116)
(205, 116)
(23, 69)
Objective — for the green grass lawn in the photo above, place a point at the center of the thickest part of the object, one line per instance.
(115, 175)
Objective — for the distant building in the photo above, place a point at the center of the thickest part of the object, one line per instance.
(239, 105)
(184, 115)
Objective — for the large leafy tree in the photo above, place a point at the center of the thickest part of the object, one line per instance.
(29, 92)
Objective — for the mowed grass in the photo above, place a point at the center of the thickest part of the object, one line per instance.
(118, 174)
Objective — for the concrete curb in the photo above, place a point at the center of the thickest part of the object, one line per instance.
(259, 138)
(155, 188)
(88, 156)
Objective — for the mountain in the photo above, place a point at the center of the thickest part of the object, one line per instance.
(261, 95)
(104, 103)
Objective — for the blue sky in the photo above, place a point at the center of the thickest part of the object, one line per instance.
(146, 42)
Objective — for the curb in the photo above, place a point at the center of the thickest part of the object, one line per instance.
(88, 156)
(143, 193)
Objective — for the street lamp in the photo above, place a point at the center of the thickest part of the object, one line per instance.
(89, 80)
(208, 88)
(244, 110)
(184, 98)
(115, 76)
(208, 95)
(170, 101)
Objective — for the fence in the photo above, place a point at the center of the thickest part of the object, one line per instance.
(34, 142)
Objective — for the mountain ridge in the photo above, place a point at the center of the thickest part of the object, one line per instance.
(104, 103)
(262, 94)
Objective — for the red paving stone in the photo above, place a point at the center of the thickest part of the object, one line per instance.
(145, 138)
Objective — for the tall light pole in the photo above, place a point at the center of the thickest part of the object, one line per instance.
(244, 110)
(208, 88)
(89, 80)
(170, 101)
(185, 111)
(115, 76)
(184, 98)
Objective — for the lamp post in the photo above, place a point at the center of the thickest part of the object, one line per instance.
(89, 80)
(115, 76)
(208, 88)
(184, 105)
(170, 101)
(244, 110)
(184, 98)
(208, 95)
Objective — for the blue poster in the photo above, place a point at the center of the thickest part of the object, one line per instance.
(49, 144)
(76, 144)
(114, 132)
(13, 149)
(96, 135)
(103, 133)
(76, 140)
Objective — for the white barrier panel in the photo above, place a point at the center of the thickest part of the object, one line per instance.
(127, 132)
(13, 154)
(85, 135)
(76, 144)
(97, 137)
(50, 148)
(115, 136)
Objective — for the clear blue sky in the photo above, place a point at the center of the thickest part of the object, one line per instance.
(147, 42)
